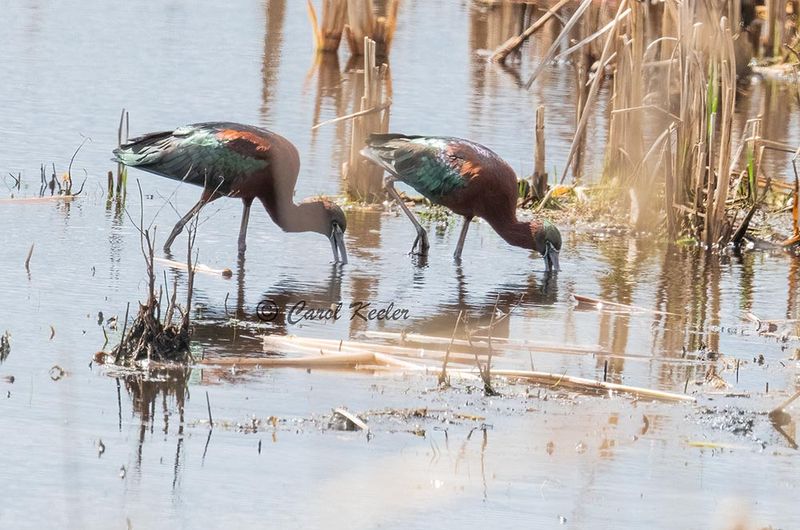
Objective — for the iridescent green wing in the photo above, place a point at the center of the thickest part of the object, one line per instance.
(429, 164)
(211, 154)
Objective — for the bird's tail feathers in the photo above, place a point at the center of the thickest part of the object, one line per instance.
(373, 156)
(141, 150)
(378, 139)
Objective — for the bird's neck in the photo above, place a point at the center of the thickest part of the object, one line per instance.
(291, 217)
(517, 233)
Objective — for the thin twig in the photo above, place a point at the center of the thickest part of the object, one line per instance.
(443, 375)
(383, 106)
(71, 160)
(208, 405)
(28, 259)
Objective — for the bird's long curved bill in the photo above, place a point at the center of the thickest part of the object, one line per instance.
(337, 245)
(551, 259)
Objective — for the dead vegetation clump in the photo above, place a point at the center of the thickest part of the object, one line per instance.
(151, 337)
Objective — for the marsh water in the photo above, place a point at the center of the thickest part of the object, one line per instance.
(84, 446)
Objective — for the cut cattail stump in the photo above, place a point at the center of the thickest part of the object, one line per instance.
(364, 179)
(539, 177)
(203, 269)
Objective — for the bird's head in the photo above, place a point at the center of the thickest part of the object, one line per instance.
(547, 241)
(330, 221)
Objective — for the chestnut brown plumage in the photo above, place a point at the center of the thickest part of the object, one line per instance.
(469, 179)
(235, 160)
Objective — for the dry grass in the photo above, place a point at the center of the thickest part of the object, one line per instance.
(355, 20)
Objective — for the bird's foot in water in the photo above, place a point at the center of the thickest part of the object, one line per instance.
(421, 245)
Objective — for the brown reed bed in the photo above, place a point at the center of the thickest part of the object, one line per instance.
(670, 155)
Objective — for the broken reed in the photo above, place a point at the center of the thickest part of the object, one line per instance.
(539, 177)
(355, 20)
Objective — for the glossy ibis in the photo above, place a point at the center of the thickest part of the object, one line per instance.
(235, 160)
(467, 178)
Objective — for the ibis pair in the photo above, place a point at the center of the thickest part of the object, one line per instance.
(234, 160)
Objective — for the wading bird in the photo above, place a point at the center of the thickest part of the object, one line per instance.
(467, 178)
(234, 160)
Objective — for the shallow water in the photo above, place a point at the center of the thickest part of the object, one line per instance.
(544, 454)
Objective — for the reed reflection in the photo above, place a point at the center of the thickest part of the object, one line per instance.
(163, 390)
(273, 48)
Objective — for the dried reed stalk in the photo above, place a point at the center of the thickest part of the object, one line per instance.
(334, 16)
(310, 345)
(514, 43)
(725, 65)
(198, 268)
(377, 361)
(364, 180)
(671, 120)
(33, 200)
(574, 19)
(539, 177)
(776, 20)
(478, 340)
(362, 23)
(590, 98)
(583, 384)
(123, 132)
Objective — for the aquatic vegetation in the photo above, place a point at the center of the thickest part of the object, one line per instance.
(149, 337)
(670, 156)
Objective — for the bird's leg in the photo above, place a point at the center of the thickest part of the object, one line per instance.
(243, 227)
(185, 219)
(461, 238)
(422, 236)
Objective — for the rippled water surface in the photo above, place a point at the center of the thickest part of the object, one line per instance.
(531, 457)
